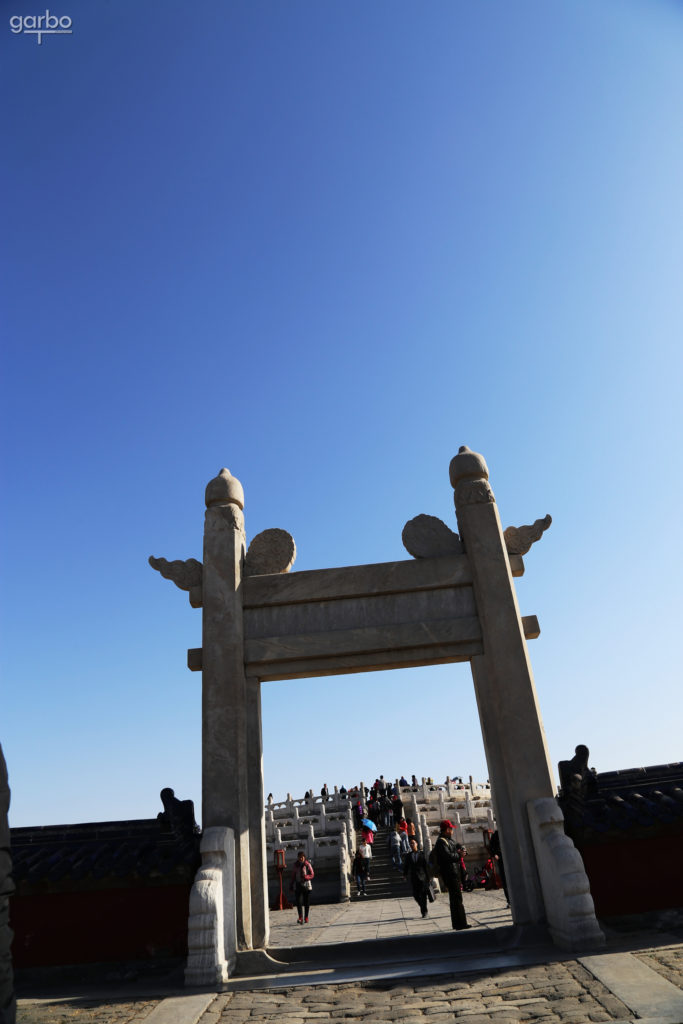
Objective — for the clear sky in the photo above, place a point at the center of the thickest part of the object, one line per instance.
(324, 244)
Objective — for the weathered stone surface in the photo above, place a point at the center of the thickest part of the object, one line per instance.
(429, 537)
(185, 574)
(7, 1000)
(224, 489)
(272, 551)
(212, 938)
(512, 731)
(566, 891)
(518, 539)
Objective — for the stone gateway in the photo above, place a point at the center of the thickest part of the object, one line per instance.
(453, 601)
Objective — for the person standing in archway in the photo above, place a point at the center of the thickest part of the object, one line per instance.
(448, 862)
(301, 883)
(417, 873)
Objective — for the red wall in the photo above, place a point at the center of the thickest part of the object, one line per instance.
(635, 876)
(109, 924)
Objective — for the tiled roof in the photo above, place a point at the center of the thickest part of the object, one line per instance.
(640, 802)
(153, 851)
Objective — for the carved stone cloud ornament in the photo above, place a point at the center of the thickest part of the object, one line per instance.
(271, 551)
(429, 537)
(518, 539)
(187, 575)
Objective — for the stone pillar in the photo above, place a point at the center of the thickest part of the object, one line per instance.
(225, 731)
(514, 741)
(258, 866)
(8, 1005)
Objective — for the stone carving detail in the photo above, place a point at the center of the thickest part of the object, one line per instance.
(178, 815)
(469, 477)
(211, 938)
(224, 489)
(568, 902)
(186, 575)
(429, 537)
(272, 551)
(518, 539)
(230, 516)
(473, 492)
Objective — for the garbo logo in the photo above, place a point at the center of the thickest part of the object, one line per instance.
(41, 25)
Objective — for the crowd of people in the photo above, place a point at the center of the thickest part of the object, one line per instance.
(380, 806)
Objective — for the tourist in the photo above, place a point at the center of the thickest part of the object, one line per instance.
(403, 781)
(448, 863)
(342, 792)
(413, 780)
(361, 866)
(395, 848)
(324, 793)
(405, 842)
(498, 866)
(417, 873)
(368, 835)
(301, 883)
(462, 852)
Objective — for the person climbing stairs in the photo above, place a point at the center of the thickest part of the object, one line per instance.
(386, 882)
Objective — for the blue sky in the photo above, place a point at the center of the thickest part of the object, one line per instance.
(325, 244)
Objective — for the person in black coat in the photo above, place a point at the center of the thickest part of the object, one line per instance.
(416, 870)
(448, 861)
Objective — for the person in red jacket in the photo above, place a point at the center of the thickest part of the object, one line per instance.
(301, 883)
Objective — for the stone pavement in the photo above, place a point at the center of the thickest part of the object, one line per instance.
(378, 962)
(363, 920)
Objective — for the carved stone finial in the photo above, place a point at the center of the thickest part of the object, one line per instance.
(469, 477)
(467, 465)
(224, 489)
(428, 537)
(518, 539)
(271, 551)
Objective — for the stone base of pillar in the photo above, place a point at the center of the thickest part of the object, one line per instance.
(569, 908)
(212, 933)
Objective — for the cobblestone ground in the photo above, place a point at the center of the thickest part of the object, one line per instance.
(550, 994)
(667, 962)
(85, 1011)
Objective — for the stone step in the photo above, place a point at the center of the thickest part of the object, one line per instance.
(385, 881)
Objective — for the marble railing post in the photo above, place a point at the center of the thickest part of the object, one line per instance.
(514, 741)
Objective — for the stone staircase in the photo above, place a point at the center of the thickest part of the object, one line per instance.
(385, 881)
